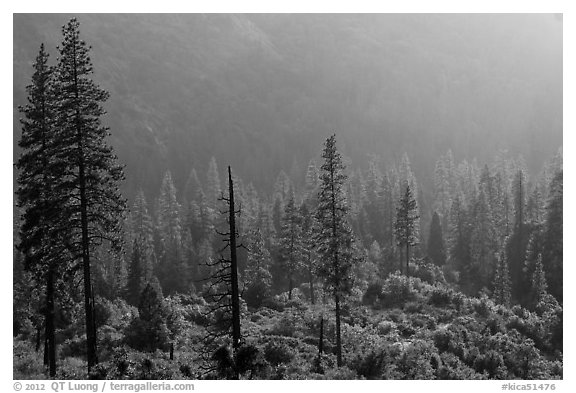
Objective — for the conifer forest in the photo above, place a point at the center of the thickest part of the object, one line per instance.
(274, 196)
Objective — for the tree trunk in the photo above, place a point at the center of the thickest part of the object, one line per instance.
(290, 287)
(171, 351)
(311, 280)
(50, 330)
(38, 336)
(234, 272)
(407, 260)
(321, 340)
(338, 336)
(88, 299)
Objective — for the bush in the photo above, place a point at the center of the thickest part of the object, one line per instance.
(278, 353)
(396, 291)
(428, 272)
(27, 364)
(416, 361)
(373, 292)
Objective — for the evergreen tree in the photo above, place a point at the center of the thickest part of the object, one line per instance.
(309, 225)
(277, 214)
(436, 247)
(169, 223)
(459, 239)
(518, 240)
(258, 278)
(148, 332)
(373, 205)
(311, 185)
(41, 238)
(334, 237)
(143, 233)
(539, 286)
(405, 225)
(213, 187)
(483, 245)
(291, 247)
(442, 195)
(192, 187)
(86, 163)
(136, 277)
(552, 253)
(502, 283)
(172, 270)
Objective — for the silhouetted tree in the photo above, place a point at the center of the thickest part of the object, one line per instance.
(87, 164)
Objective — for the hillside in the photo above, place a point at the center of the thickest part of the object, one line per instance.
(262, 91)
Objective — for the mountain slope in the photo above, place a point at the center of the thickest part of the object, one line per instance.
(261, 92)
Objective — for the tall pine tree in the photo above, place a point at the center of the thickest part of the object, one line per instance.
(334, 238)
(86, 163)
(291, 245)
(40, 237)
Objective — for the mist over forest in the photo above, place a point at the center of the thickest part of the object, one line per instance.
(262, 92)
(279, 196)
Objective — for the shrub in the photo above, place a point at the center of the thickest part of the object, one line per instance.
(428, 272)
(373, 292)
(278, 353)
(396, 291)
(27, 363)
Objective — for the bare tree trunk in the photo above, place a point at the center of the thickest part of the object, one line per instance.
(234, 272)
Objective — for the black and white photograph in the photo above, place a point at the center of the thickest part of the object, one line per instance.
(287, 196)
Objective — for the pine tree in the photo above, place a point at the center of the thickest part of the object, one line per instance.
(41, 231)
(213, 187)
(374, 204)
(483, 244)
(136, 277)
(539, 287)
(436, 246)
(148, 332)
(552, 254)
(86, 163)
(309, 247)
(442, 198)
(502, 290)
(291, 247)
(311, 185)
(258, 278)
(459, 239)
(143, 233)
(172, 270)
(518, 240)
(192, 187)
(405, 225)
(334, 237)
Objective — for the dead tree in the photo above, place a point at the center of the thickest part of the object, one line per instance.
(224, 297)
